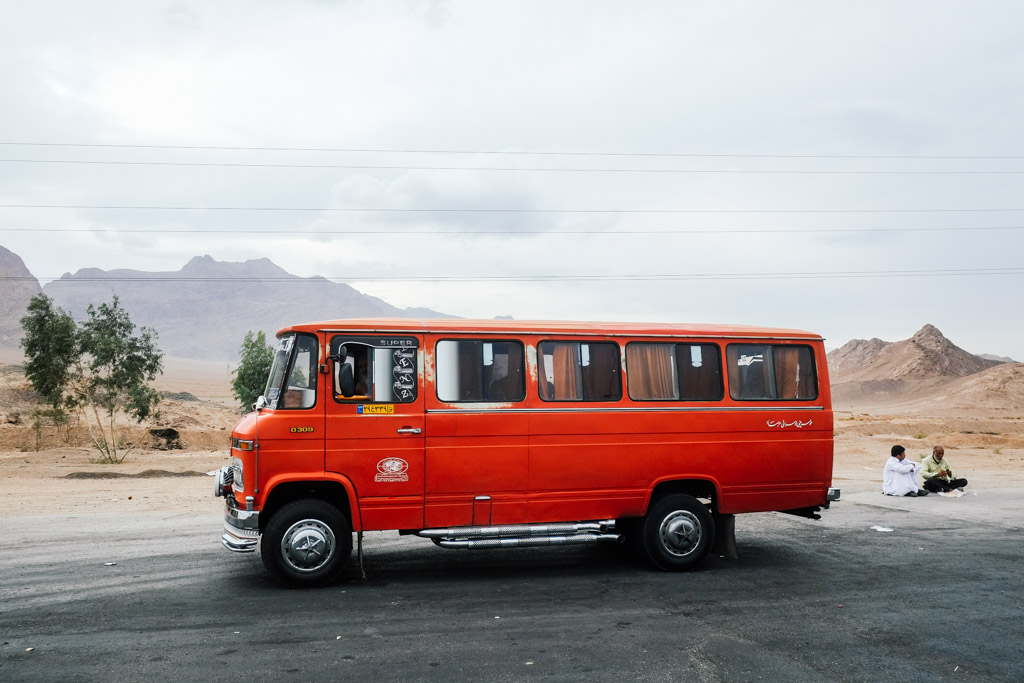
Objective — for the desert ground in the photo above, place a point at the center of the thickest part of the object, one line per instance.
(42, 471)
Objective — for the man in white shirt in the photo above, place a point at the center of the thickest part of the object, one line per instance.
(899, 477)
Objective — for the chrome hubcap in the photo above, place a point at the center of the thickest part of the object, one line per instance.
(680, 533)
(308, 545)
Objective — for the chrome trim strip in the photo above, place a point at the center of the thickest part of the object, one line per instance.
(687, 409)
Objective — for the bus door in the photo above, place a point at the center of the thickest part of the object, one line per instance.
(291, 429)
(478, 445)
(375, 426)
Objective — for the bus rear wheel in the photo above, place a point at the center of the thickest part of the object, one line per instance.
(677, 533)
(306, 544)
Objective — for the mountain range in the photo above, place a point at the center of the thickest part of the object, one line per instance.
(925, 372)
(201, 311)
(204, 310)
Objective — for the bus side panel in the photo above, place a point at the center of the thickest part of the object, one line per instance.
(603, 464)
(476, 468)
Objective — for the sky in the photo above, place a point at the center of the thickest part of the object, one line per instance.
(852, 168)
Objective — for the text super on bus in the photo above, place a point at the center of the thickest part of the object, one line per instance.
(484, 434)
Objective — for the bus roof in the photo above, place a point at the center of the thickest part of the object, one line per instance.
(553, 327)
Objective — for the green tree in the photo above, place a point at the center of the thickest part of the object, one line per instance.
(102, 368)
(51, 347)
(51, 350)
(250, 377)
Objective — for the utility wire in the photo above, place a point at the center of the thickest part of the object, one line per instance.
(356, 150)
(119, 207)
(703, 231)
(376, 167)
(546, 278)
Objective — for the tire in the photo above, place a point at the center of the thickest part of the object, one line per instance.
(677, 533)
(307, 543)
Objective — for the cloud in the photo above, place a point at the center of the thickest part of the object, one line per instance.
(811, 81)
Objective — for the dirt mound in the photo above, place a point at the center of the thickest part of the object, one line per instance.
(145, 474)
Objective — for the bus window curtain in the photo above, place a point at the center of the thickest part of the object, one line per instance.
(794, 372)
(787, 369)
(651, 375)
(566, 363)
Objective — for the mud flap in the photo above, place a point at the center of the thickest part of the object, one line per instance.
(725, 536)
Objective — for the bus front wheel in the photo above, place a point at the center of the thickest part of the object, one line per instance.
(677, 533)
(306, 543)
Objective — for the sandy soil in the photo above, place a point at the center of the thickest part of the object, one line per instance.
(38, 466)
(989, 452)
(37, 482)
(35, 464)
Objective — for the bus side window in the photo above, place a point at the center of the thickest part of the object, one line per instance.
(750, 375)
(700, 372)
(771, 372)
(794, 372)
(480, 371)
(652, 372)
(378, 374)
(300, 387)
(579, 371)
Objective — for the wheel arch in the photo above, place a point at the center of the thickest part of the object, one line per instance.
(338, 493)
(696, 487)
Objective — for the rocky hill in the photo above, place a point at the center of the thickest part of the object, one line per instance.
(201, 311)
(17, 286)
(925, 373)
(928, 354)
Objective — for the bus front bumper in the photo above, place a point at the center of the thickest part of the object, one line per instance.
(241, 527)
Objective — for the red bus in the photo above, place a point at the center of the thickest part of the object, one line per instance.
(497, 433)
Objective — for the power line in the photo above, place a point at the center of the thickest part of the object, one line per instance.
(379, 167)
(357, 150)
(121, 207)
(546, 278)
(702, 231)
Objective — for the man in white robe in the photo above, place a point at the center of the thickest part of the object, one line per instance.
(899, 477)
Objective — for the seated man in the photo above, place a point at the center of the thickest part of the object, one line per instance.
(899, 477)
(938, 474)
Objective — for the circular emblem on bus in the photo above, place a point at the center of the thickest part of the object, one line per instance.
(392, 466)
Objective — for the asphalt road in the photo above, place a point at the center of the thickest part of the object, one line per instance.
(938, 598)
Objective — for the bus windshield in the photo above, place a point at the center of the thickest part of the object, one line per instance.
(273, 391)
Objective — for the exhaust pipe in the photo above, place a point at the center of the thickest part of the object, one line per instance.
(485, 543)
(519, 530)
(523, 535)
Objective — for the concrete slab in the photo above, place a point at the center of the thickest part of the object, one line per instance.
(998, 507)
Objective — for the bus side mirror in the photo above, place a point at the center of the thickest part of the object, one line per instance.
(345, 384)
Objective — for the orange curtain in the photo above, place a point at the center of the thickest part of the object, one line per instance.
(650, 372)
(794, 372)
(787, 368)
(566, 361)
